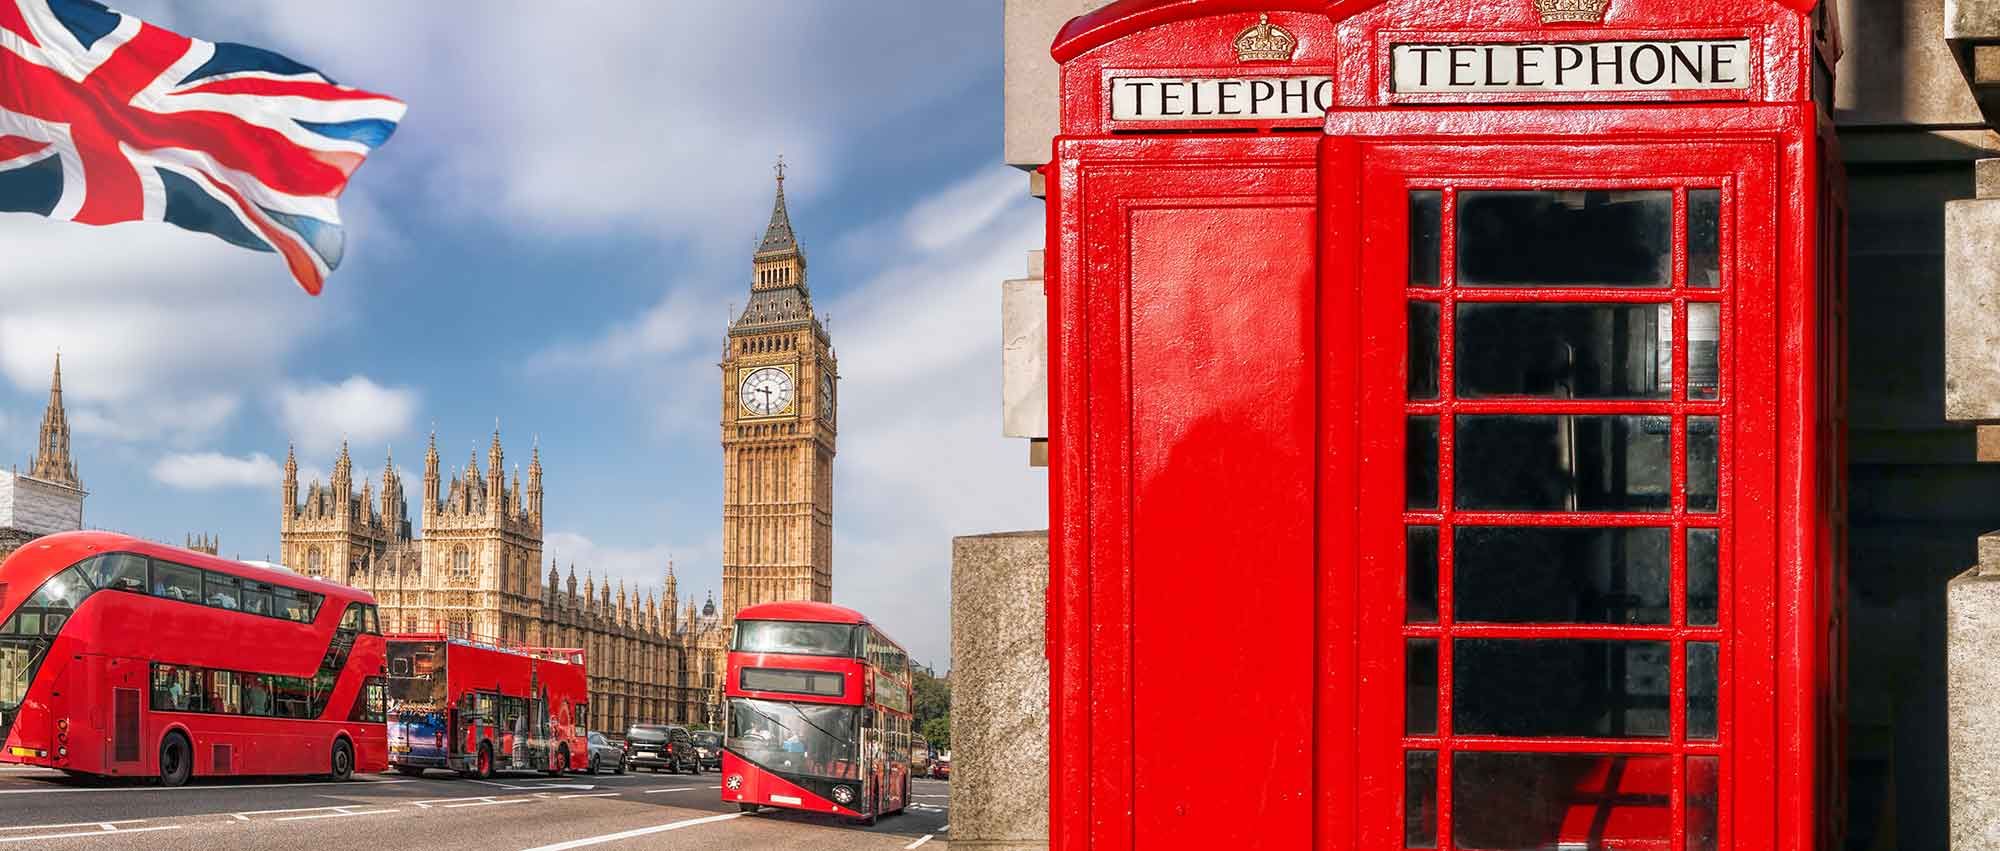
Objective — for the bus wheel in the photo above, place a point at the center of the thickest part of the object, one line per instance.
(485, 771)
(343, 760)
(176, 760)
(561, 764)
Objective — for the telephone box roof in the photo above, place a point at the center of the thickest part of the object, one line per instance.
(1125, 17)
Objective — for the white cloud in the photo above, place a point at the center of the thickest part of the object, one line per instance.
(320, 416)
(668, 327)
(200, 471)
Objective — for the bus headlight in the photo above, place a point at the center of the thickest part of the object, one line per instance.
(62, 753)
(843, 795)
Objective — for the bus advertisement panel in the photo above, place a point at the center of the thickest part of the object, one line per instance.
(123, 657)
(820, 713)
(477, 709)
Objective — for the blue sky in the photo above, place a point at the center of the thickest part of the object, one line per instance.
(554, 238)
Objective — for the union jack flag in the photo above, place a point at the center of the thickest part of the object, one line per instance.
(105, 118)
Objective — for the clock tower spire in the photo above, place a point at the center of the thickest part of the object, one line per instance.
(778, 381)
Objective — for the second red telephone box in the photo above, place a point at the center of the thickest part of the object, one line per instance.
(1487, 355)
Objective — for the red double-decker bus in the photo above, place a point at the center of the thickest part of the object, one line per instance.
(124, 657)
(820, 713)
(477, 708)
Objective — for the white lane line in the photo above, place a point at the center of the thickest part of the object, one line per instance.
(490, 803)
(673, 789)
(438, 801)
(46, 836)
(920, 842)
(97, 824)
(930, 796)
(341, 814)
(591, 795)
(944, 829)
(644, 831)
(193, 788)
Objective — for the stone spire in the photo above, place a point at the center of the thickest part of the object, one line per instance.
(673, 585)
(431, 479)
(555, 577)
(534, 494)
(778, 238)
(291, 486)
(52, 461)
(572, 579)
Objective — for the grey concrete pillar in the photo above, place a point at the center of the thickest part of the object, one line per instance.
(999, 692)
(1973, 635)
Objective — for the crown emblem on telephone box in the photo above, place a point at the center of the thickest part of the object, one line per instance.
(1572, 11)
(1265, 42)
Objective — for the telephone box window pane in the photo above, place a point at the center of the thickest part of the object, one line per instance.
(1421, 687)
(1703, 799)
(1704, 567)
(1421, 552)
(1704, 443)
(1705, 238)
(1562, 463)
(1426, 244)
(1527, 574)
(1704, 332)
(1423, 350)
(1703, 675)
(1550, 801)
(1420, 795)
(1565, 351)
(1616, 238)
(1559, 687)
(1420, 465)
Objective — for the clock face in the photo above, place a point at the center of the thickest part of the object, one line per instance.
(826, 395)
(766, 391)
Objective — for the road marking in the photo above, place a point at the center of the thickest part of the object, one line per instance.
(210, 788)
(644, 831)
(101, 825)
(945, 828)
(930, 796)
(592, 795)
(579, 786)
(341, 814)
(674, 789)
(492, 803)
(920, 842)
(120, 832)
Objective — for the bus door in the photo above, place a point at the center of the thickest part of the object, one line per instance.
(119, 716)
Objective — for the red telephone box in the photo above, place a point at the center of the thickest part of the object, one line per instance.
(1446, 426)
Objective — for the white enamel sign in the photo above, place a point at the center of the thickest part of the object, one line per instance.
(1220, 98)
(1602, 66)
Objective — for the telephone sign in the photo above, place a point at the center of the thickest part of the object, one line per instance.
(1446, 406)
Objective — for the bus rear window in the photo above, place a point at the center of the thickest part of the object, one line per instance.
(805, 639)
(176, 582)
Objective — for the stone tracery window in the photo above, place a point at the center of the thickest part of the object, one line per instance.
(461, 563)
(312, 561)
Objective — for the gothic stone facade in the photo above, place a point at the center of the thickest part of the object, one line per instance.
(476, 574)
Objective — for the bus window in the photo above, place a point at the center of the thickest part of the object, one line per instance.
(178, 689)
(350, 620)
(117, 571)
(810, 639)
(220, 590)
(223, 694)
(291, 605)
(370, 624)
(257, 697)
(257, 599)
(176, 582)
(293, 697)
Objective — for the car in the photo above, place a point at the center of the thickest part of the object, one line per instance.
(941, 768)
(708, 743)
(605, 753)
(661, 747)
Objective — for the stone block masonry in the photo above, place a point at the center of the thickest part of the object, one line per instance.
(1000, 692)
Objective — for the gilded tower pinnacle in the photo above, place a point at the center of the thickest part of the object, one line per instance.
(52, 462)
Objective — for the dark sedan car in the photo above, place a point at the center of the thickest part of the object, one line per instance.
(661, 747)
(606, 754)
(708, 743)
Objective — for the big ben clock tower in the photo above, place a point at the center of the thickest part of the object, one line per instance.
(778, 390)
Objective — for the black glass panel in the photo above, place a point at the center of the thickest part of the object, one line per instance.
(1426, 231)
(1423, 350)
(1420, 686)
(1562, 463)
(1703, 802)
(1704, 439)
(1421, 553)
(1567, 351)
(1420, 792)
(1704, 368)
(1705, 238)
(1704, 567)
(1420, 463)
(1507, 574)
(1703, 676)
(1559, 802)
(1565, 238)
(1559, 687)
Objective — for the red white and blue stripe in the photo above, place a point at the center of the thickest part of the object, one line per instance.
(105, 118)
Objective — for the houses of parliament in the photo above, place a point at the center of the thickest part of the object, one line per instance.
(477, 570)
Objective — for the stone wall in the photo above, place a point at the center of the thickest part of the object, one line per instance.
(42, 508)
(999, 692)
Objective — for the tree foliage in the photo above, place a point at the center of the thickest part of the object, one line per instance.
(937, 731)
(933, 697)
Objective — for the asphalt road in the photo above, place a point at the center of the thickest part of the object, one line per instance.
(44, 809)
